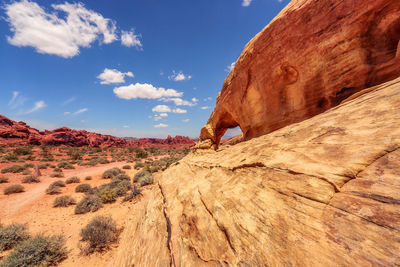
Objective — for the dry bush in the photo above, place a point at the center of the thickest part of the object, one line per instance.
(87, 204)
(64, 201)
(73, 180)
(31, 179)
(15, 188)
(12, 234)
(83, 188)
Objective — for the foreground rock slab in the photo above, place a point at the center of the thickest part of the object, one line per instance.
(310, 58)
(323, 192)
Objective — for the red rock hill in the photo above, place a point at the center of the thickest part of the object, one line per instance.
(20, 133)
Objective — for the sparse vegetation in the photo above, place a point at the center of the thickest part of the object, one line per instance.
(3, 180)
(107, 194)
(13, 169)
(11, 235)
(139, 165)
(73, 180)
(88, 203)
(83, 188)
(136, 191)
(26, 172)
(28, 165)
(126, 167)
(144, 177)
(65, 165)
(57, 175)
(111, 173)
(99, 234)
(12, 189)
(37, 251)
(88, 178)
(31, 179)
(64, 201)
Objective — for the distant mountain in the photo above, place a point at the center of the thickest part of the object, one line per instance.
(12, 132)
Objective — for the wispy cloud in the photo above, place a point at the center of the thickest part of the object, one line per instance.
(67, 113)
(179, 111)
(38, 105)
(186, 120)
(180, 102)
(230, 67)
(69, 100)
(17, 100)
(205, 107)
(82, 110)
(179, 76)
(161, 109)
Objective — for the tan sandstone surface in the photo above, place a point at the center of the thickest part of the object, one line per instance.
(322, 192)
(310, 58)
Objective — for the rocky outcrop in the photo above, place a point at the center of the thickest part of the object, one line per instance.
(311, 57)
(177, 141)
(20, 133)
(323, 192)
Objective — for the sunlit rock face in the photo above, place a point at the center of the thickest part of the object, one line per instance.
(310, 58)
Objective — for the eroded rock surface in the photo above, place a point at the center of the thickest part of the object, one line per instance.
(311, 57)
(322, 192)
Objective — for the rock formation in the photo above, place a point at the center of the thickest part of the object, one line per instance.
(20, 133)
(322, 192)
(311, 57)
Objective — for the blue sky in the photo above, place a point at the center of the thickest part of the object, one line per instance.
(127, 68)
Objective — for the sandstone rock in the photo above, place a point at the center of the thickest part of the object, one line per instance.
(311, 57)
(322, 192)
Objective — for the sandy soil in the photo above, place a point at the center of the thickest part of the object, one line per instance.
(34, 207)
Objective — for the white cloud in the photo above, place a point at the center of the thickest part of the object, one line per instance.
(179, 101)
(145, 90)
(163, 115)
(230, 67)
(161, 125)
(61, 34)
(125, 126)
(179, 111)
(207, 99)
(129, 39)
(38, 105)
(246, 2)
(186, 120)
(82, 110)
(161, 109)
(194, 100)
(113, 76)
(17, 100)
(67, 113)
(205, 107)
(157, 118)
(179, 76)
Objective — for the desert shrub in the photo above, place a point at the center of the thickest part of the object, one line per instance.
(57, 170)
(31, 179)
(15, 188)
(11, 157)
(126, 167)
(57, 175)
(13, 169)
(141, 154)
(3, 180)
(143, 177)
(111, 173)
(28, 165)
(26, 172)
(88, 203)
(136, 191)
(99, 233)
(55, 187)
(121, 177)
(65, 165)
(73, 180)
(12, 234)
(107, 194)
(64, 201)
(43, 166)
(23, 151)
(83, 188)
(139, 165)
(87, 178)
(39, 250)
